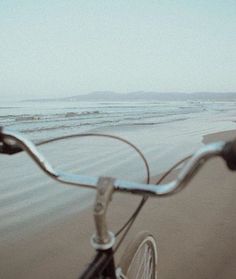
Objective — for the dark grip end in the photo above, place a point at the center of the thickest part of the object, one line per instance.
(6, 148)
(9, 149)
(229, 154)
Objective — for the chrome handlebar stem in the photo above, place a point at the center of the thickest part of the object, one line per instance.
(195, 162)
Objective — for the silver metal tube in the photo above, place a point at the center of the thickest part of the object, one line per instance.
(189, 170)
(102, 239)
(12, 138)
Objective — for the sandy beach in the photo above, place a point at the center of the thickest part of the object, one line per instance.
(195, 230)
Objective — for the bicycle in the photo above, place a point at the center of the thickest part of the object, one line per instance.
(103, 241)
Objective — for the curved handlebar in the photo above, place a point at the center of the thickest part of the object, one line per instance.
(10, 141)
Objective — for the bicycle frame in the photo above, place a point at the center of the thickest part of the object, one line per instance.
(102, 265)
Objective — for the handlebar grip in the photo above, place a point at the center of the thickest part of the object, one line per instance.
(229, 154)
(10, 149)
(6, 148)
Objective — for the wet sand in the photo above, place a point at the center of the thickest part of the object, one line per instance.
(195, 232)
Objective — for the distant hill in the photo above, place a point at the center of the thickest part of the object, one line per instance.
(109, 96)
(149, 96)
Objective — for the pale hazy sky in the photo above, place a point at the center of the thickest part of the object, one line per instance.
(62, 48)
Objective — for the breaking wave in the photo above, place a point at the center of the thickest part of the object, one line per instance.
(53, 120)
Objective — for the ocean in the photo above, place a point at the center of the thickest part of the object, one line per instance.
(164, 131)
(44, 120)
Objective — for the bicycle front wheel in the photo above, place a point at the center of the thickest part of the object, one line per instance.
(140, 258)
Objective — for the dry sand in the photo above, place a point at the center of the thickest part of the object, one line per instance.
(195, 232)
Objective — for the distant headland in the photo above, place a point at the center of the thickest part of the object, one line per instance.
(110, 96)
